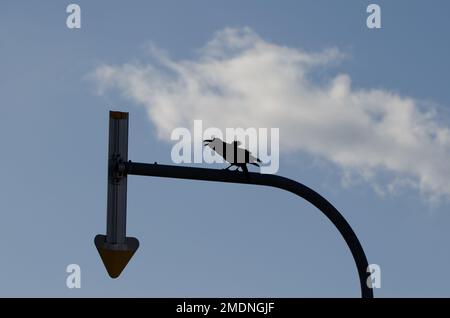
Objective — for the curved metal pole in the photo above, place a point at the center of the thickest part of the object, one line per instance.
(297, 188)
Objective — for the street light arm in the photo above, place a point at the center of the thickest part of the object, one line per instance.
(168, 171)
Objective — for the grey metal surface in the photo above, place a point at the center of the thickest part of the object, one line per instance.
(117, 183)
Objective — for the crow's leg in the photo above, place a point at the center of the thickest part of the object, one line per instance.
(245, 172)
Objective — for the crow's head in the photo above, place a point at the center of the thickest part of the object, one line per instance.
(213, 143)
(208, 141)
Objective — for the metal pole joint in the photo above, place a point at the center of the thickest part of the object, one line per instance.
(118, 168)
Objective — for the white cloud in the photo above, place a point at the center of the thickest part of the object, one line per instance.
(238, 79)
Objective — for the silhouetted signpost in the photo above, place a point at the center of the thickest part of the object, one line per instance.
(116, 249)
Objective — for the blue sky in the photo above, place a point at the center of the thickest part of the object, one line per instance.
(261, 242)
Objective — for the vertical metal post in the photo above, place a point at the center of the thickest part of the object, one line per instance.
(115, 248)
(117, 183)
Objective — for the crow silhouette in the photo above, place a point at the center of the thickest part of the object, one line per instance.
(234, 155)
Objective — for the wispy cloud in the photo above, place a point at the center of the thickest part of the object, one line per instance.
(240, 80)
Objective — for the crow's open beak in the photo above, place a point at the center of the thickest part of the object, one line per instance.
(207, 141)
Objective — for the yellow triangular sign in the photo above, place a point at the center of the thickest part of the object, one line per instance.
(115, 256)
